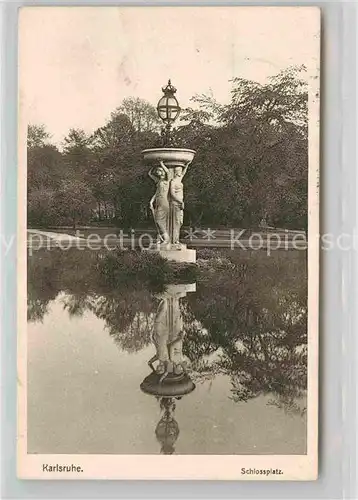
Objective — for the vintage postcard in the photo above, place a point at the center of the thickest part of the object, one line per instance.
(167, 243)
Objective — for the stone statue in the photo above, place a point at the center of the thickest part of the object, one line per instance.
(167, 206)
(159, 203)
(168, 166)
(176, 192)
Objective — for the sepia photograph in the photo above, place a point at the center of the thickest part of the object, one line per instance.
(167, 251)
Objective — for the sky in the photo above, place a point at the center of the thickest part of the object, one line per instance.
(76, 64)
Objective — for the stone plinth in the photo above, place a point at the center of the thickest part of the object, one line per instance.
(188, 255)
(174, 254)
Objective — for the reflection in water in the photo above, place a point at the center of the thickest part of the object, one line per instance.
(168, 332)
(169, 380)
(246, 323)
(167, 430)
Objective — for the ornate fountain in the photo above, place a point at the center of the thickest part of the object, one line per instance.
(167, 168)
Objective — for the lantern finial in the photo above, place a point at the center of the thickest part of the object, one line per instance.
(168, 110)
(169, 90)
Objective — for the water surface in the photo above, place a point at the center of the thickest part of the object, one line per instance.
(89, 345)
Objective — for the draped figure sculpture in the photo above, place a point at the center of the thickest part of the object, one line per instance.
(167, 204)
(159, 203)
(176, 192)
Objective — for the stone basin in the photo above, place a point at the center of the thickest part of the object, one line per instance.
(171, 157)
(171, 386)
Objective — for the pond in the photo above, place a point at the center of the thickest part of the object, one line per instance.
(241, 383)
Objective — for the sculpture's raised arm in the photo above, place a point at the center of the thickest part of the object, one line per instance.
(152, 176)
(164, 168)
(185, 168)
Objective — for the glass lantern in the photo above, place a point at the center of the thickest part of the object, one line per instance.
(168, 109)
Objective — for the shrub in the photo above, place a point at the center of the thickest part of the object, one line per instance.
(143, 269)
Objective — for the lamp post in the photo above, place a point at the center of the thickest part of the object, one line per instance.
(167, 168)
(168, 110)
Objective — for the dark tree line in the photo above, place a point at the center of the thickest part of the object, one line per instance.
(251, 161)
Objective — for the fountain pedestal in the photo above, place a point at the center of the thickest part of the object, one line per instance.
(167, 169)
(183, 255)
(175, 253)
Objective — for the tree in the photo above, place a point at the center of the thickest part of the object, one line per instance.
(37, 136)
(74, 201)
(40, 207)
(142, 115)
(44, 173)
(256, 146)
(117, 171)
(77, 152)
